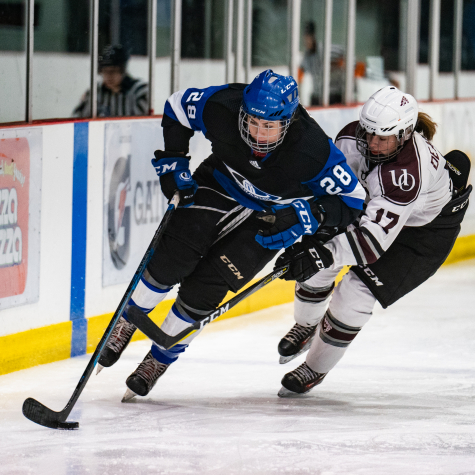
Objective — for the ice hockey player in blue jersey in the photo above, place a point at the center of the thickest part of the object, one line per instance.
(269, 157)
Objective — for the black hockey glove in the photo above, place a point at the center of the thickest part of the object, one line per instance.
(284, 224)
(173, 168)
(305, 259)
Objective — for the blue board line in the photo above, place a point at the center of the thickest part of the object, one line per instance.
(79, 237)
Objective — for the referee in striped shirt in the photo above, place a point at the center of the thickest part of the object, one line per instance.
(119, 94)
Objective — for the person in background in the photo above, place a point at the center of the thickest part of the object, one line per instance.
(119, 94)
(312, 64)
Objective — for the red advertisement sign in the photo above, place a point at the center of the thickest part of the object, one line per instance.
(14, 214)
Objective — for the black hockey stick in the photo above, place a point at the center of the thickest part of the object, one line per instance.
(143, 322)
(37, 412)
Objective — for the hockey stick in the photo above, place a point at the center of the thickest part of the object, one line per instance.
(143, 322)
(37, 412)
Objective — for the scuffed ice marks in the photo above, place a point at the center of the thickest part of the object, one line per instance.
(401, 402)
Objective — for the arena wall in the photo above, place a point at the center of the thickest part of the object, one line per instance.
(70, 288)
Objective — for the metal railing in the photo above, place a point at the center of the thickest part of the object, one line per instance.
(238, 46)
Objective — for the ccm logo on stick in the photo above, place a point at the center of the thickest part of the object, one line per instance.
(214, 315)
(232, 267)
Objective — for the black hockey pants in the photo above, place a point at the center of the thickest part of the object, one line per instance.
(415, 255)
(209, 248)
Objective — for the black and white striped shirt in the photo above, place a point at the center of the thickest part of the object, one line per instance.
(131, 100)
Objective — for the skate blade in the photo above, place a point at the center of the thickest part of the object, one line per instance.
(286, 359)
(284, 392)
(129, 394)
(99, 369)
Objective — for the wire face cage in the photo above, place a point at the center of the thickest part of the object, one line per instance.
(262, 135)
(383, 156)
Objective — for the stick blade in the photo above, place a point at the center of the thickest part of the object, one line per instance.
(42, 415)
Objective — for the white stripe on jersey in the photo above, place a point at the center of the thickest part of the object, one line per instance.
(290, 200)
(207, 207)
(175, 103)
(358, 193)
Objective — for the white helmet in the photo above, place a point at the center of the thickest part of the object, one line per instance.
(387, 112)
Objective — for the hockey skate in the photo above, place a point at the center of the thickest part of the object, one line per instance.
(297, 341)
(300, 381)
(118, 341)
(144, 378)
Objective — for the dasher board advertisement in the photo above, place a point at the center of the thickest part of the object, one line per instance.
(20, 215)
(133, 202)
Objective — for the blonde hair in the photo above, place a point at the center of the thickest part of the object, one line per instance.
(425, 125)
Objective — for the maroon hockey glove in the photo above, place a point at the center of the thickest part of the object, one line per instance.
(305, 259)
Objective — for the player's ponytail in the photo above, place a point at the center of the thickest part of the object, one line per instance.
(425, 125)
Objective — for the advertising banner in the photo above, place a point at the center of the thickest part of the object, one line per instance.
(20, 212)
(133, 202)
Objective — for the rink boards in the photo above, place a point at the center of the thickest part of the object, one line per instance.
(79, 205)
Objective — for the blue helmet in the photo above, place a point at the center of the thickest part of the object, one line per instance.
(272, 99)
(271, 96)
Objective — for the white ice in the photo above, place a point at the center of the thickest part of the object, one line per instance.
(402, 401)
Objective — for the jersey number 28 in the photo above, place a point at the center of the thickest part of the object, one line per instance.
(329, 185)
(191, 109)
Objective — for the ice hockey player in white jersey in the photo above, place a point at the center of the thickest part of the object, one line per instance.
(415, 202)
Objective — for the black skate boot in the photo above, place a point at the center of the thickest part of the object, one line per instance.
(300, 381)
(143, 379)
(118, 341)
(295, 342)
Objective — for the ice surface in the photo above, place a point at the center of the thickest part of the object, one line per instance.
(402, 401)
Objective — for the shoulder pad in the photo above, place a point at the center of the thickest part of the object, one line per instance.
(186, 106)
(347, 131)
(401, 179)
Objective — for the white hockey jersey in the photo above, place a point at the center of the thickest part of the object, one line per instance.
(408, 191)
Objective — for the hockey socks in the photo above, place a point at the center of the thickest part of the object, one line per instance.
(146, 296)
(310, 303)
(148, 293)
(350, 308)
(177, 320)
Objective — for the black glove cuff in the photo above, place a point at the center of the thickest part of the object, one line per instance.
(168, 185)
(318, 212)
(159, 154)
(321, 255)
